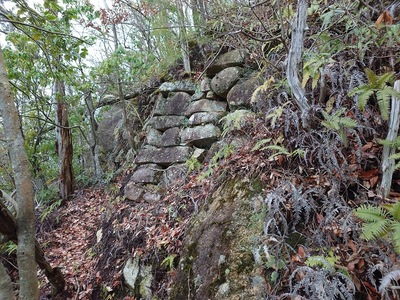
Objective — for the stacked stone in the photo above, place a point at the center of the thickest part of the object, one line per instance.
(185, 121)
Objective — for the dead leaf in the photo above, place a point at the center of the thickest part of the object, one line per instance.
(385, 18)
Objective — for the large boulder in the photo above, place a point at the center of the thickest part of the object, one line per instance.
(205, 105)
(240, 95)
(138, 278)
(225, 80)
(164, 156)
(234, 58)
(174, 105)
(201, 136)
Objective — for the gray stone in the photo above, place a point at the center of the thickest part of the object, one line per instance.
(205, 105)
(173, 174)
(145, 284)
(164, 122)
(131, 272)
(153, 137)
(164, 156)
(133, 191)
(198, 96)
(225, 80)
(240, 94)
(146, 174)
(174, 105)
(201, 136)
(205, 85)
(151, 197)
(230, 59)
(202, 118)
(211, 95)
(178, 86)
(171, 137)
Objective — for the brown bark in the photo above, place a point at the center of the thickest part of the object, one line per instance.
(23, 183)
(64, 143)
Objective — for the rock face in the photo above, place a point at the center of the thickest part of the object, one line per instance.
(175, 105)
(218, 260)
(240, 94)
(164, 156)
(235, 58)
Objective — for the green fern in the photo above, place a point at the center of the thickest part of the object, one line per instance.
(336, 122)
(381, 221)
(377, 85)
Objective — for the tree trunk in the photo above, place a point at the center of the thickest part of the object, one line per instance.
(6, 292)
(183, 36)
(64, 142)
(294, 59)
(94, 145)
(23, 182)
(387, 162)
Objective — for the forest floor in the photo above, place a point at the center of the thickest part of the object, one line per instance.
(68, 237)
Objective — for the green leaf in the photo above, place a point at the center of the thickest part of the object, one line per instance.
(371, 76)
(261, 143)
(383, 102)
(393, 209)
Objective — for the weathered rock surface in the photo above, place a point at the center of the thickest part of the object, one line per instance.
(164, 156)
(201, 136)
(138, 278)
(202, 118)
(178, 86)
(173, 174)
(205, 105)
(240, 94)
(164, 122)
(133, 191)
(225, 80)
(175, 105)
(146, 174)
(230, 59)
(171, 137)
(218, 261)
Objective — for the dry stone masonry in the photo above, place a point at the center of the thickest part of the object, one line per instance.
(185, 120)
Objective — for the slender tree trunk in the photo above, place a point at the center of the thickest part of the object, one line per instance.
(23, 182)
(294, 59)
(6, 292)
(64, 142)
(94, 145)
(183, 36)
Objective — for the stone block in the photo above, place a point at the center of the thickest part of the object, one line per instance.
(164, 156)
(173, 174)
(225, 80)
(178, 86)
(240, 94)
(162, 123)
(171, 137)
(174, 105)
(234, 58)
(202, 118)
(146, 174)
(201, 136)
(205, 105)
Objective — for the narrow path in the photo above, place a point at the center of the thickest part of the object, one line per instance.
(68, 244)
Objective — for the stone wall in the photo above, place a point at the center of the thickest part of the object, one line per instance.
(185, 121)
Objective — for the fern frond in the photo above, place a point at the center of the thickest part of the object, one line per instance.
(370, 213)
(348, 122)
(387, 280)
(393, 209)
(392, 92)
(364, 97)
(371, 76)
(396, 236)
(384, 102)
(373, 230)
(384, 79)
(261, 143)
